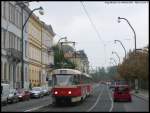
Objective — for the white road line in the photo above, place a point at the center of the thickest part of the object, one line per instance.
(112, 102)
(35, 108)
(96, 101)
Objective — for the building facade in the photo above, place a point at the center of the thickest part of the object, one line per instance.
(77, 57)
(40, 55)
(11, 41)
(47, 52)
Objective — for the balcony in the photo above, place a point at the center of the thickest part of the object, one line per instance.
(14, 55)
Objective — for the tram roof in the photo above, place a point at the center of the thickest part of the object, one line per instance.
(87, 75)
(66, 71)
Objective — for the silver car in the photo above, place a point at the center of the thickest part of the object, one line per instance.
(12, 97)
(37, 92)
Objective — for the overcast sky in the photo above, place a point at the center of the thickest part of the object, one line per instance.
(69, 19)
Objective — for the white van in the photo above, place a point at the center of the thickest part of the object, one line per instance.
(5, 90)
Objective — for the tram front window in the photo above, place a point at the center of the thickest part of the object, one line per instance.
(63, 80)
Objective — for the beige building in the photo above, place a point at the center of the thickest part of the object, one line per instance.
(40, 56)
(79, 58)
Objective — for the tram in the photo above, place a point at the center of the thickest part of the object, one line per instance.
(69, 85)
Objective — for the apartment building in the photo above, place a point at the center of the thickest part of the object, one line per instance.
(12, 15)
(40, 52)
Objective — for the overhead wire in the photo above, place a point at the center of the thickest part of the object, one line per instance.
(93, 25)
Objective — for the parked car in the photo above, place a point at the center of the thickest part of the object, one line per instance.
(12, 97)
(23, 94)
(122, 93)
(37, 92)
(45, 91)
(5, 89)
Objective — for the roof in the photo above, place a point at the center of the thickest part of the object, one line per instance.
(87, 75)
(66, 71)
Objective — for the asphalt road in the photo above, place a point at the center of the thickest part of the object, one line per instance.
(99, 101)
(27, 105)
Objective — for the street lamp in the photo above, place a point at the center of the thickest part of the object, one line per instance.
(113, 52)
(61, 39)
(119, 18)
(23, 26)
(122, 46)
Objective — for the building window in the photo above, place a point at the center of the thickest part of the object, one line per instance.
(5, 71)
(16, 42)
(16, 17)
(3, 9)
(2, 76)
(2, 40)
(26, 49)
(19, 20)
(19, 44)
(11, 40)
(10, 12)
(25, 73)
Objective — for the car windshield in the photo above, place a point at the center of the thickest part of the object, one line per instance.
(20, 91)
(36, 88)
(63, 80)
(122, 89)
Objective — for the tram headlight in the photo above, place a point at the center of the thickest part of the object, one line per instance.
(69, 92)
(56, 92)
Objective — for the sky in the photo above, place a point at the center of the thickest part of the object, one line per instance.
(68, 19)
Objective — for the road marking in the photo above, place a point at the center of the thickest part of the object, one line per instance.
(35, 108)
(96, 101)
(112, 102)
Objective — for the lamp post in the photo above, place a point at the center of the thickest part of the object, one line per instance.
(113, 52)
(23, 26)
(61, 39)
(119, 18)
(122, 46)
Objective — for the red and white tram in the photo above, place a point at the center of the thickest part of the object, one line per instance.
(69, 85)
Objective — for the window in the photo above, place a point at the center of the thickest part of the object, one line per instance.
(16, 42)
(12, 40)
(26, 49)
(4, 9)
(5, 71)
(19, 19)
(7, 40)
(16, 17)
(25, 73)
(2, 76)
(10, 12)
(2, 40)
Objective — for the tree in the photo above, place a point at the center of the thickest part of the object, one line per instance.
(135, 66)
(59, 60)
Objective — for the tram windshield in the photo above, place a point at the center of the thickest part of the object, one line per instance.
(63, 80)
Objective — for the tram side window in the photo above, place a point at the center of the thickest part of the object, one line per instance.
(75, 80)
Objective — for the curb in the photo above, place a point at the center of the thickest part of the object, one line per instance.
(140, 97)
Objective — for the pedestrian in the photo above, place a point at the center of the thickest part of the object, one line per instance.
(30, 86)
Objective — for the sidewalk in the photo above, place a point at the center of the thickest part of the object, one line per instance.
(144, 94)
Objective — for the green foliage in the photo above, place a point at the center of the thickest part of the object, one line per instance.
(60, 61)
